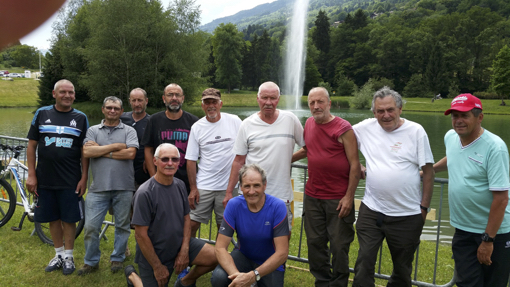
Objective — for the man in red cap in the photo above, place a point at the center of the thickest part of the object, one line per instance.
(478, 167)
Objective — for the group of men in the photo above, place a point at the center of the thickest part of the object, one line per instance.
(157, 156)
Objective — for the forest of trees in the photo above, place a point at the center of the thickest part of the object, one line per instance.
(420, 48)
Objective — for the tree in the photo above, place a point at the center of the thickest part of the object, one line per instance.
(25, 56)
(501, 73)
(227, 45)
(320, 37)
(53, 72)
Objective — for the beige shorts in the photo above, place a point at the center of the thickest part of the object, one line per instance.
(209, 200)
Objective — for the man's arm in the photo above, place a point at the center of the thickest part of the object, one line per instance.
(224, 259)
(182, 259)
(91, 149)
(300, 154)
(142, 238)
(496, 214)
(194, 196)
(238, 162)
(149, 155)
(82, 184)
(31, 182)
(123, 154)
(441, 165)
(428, 187)
(348, 139)
(271, 264)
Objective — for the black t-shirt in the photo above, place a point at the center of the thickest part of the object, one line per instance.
(160, 129)
(139, 126)
(60, 138)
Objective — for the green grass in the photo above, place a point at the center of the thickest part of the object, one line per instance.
(23, 93)
(19, 92)
(24, 257)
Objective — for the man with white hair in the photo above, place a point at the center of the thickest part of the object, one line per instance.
(162, 227)
(267, 138)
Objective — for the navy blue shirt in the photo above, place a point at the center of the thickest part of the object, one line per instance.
(60, 138)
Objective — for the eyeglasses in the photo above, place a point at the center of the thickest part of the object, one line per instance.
(166, 159)
(112, 108)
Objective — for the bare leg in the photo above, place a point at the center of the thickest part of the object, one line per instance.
(195, 225)
(204, 262)
(135, 280)
(57, 233)
(69, 234)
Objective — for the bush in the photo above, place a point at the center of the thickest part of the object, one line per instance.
(340, 103)
(363, 98)
(487, 95)
(416, 88)
(379, 83)
(345, 86)
(326, 86)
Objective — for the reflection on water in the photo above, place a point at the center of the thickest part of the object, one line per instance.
(16, 121)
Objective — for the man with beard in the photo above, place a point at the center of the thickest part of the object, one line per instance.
(138, 119)
(170, 126)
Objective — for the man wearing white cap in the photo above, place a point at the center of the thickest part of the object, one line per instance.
(478, 168)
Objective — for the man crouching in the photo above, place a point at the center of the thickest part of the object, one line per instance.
(163, 227)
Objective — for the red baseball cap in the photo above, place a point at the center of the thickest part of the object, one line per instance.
(464, 103)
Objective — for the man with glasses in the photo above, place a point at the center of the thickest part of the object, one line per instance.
(211, 139)
(170, 126)
(111, 147)
(162, 227)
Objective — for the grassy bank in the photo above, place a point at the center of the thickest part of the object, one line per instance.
(19, 92)
(23, 93)
(24, 257)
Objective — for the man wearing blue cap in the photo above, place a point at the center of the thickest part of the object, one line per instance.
(478, 167)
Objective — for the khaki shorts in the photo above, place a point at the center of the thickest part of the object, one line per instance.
(209, 200)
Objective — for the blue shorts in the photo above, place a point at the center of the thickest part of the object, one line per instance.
(60, 204)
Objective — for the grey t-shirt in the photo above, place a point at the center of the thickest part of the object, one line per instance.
(162, 208)
(107, 173)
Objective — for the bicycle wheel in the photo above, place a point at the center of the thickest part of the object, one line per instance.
(7, 202)
(43, 229)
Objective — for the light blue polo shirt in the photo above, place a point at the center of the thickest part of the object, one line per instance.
(474, 172)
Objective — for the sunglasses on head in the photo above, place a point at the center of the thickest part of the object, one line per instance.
(166, 159)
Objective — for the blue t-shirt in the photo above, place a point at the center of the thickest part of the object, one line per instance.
(474, 172)
(256, 231)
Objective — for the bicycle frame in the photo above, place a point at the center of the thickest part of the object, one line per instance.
(12, 167)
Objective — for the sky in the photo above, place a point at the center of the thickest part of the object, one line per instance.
(211, 10)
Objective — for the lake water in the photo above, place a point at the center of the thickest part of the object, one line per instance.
(16, 121)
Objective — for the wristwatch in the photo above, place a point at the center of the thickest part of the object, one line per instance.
(487, 238)
(257, 275)
(427, 209)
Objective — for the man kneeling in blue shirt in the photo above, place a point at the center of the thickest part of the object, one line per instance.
(260, 221)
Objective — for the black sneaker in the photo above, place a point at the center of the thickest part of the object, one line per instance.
(68, 266)
(55, 264)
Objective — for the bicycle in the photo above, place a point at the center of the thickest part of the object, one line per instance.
(8, 198)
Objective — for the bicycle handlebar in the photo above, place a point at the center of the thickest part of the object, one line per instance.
(11, 148)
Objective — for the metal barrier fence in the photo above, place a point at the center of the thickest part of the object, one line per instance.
(298, 257)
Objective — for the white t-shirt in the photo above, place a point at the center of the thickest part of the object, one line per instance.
(393, 162)
(213, 143)
(271, 146)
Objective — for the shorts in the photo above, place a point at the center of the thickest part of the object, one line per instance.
(209, 200)
(147, 274)
(58, 204)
